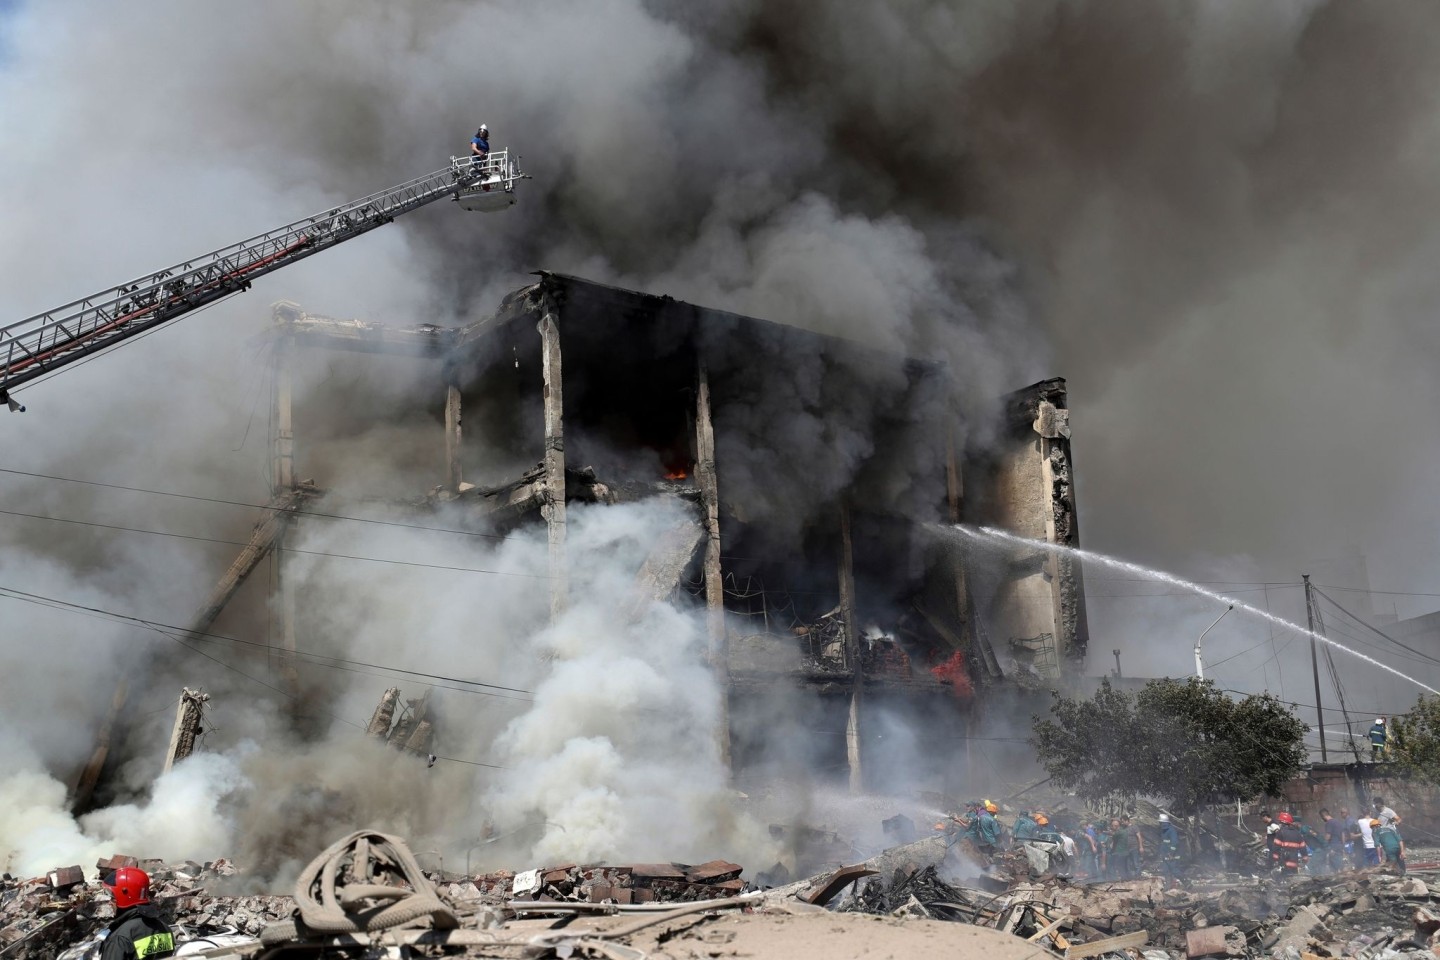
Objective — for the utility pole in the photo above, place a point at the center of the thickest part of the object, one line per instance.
(1315, 663)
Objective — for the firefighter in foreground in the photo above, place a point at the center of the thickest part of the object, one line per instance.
(137, 932)
(1287, 849)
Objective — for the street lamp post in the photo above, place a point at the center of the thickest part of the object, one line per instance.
(1199, 665)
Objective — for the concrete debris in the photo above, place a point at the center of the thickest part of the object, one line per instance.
(189, 725)
(413, 732)
(570, 909)
(42, 917)
(599, 883)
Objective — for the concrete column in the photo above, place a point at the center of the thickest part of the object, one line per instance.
(282, 445)
(706, 479)
(852, 652)
(452, 430)
(553, 506)
(188, 718)
(283, 482)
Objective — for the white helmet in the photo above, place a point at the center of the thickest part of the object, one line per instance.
(484, 130)
(1379, 719)
(1164, 818)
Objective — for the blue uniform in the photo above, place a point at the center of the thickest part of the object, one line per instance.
(1377, 741)
(984, 831)
(482, 144)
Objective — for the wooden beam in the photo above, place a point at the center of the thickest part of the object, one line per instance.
(1109, 945)
(90, 775)
(452, 430)
(263, 538)
(286, 667)
(852, 651)
(552, 507)
(708, 481)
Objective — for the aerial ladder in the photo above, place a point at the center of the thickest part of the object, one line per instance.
(40, 345)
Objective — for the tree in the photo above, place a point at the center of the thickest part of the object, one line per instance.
(1182, 741)
(1414, 742)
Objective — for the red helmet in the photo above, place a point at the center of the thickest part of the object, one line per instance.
(1284, 817)
(129, 886)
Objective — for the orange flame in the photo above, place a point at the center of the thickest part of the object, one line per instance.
(954, 673)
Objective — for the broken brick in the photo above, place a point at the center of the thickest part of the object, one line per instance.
(63, 878)
(714, 872)
(115, 862)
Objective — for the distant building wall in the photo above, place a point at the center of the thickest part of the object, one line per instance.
(1335, 785)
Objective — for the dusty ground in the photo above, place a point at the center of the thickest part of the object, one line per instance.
(821, 934)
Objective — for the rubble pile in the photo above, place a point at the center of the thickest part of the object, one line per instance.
(41, 916)
(598, 883)
(1368, 916)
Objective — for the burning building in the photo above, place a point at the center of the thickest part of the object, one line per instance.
(819, 476)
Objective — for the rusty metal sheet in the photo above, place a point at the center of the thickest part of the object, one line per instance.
(838, 881)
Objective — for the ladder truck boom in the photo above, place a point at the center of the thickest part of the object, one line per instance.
(38, 345)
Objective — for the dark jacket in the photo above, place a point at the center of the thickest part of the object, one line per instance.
(137, 933)
(1288, 848)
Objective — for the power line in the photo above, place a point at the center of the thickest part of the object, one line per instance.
(157, 628)
(1385, 593)
(1377, 631)
(254, 506)
(239, 543)
(318, 659)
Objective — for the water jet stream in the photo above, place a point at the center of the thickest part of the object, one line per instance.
(1001, 536)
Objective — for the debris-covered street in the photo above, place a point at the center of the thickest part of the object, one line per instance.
(907, 897)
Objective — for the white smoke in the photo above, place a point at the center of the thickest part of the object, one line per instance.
(183, 819)
(619, 751)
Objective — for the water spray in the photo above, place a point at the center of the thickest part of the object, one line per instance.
(1001, 536)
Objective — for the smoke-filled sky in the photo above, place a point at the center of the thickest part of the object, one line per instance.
(1213, 218)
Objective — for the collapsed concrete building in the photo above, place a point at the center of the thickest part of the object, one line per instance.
(820, 479)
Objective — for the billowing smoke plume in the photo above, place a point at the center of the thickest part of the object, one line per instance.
(1220, 212)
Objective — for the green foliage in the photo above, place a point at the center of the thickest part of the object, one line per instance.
(1414, 741)
(1179, 740)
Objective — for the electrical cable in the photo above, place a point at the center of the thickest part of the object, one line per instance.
(239, 543)
(307, 514)
(1377, 631)
(318, 659)
(254, 679)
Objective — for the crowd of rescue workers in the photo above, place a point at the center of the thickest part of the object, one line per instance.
(1116, 848)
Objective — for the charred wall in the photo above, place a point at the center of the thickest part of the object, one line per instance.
(846, 612)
